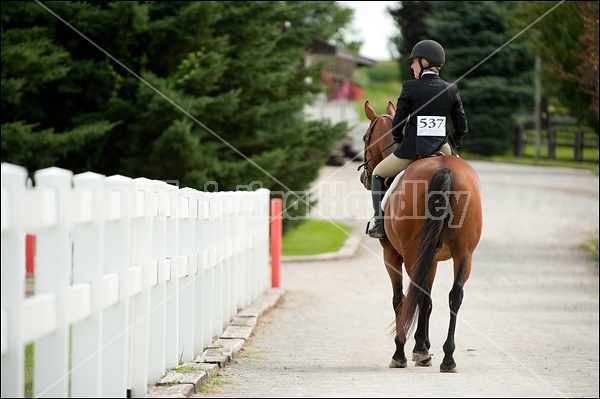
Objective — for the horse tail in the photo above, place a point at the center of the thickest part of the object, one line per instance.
(438, 207)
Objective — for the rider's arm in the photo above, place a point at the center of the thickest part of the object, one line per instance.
(459, 119)
(402, 114)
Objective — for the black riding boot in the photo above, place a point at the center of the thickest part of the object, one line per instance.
(377, 192)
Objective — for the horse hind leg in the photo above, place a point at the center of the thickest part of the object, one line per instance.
(399, 358)
(421, 355)
(455, 298)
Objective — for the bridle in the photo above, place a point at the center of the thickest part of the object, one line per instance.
(367, 150)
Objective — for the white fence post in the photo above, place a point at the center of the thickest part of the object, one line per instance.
(157, 327)
(187, 268)
(227, 250)
(228, 242)
(145, 272)
(117, 250)
(53, 276)
(13, 279)
(217, 205)
(209, 260)
(254, 271)
(200, 246)
(236, 231)
(245, 227)
(262, 266)
(88, 262)
(172, 278)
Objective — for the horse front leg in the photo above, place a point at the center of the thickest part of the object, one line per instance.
(399, 357)
(393, 264)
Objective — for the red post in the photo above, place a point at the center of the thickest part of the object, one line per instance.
(29, 253)
(276, 234)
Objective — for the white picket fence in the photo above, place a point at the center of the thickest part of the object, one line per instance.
(132, 277)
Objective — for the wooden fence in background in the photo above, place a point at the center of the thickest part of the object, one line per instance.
(573, 136)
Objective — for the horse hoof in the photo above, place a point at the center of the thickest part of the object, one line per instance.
(395, 364)
(448, 368)
(424, 363)
(422, 359)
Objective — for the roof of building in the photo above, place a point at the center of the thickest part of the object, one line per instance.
(321, 46)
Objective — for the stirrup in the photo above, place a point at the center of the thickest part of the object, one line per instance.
(378, 230)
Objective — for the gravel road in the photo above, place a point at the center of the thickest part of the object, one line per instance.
(528, 325)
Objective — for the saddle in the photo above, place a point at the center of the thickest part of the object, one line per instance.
(435, 154)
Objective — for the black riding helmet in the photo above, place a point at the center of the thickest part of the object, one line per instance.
(431, 50)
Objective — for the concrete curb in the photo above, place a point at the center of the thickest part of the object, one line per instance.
(187, 379)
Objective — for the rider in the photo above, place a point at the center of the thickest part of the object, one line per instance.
(420, 127)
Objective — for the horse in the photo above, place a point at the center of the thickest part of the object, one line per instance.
(434, 214)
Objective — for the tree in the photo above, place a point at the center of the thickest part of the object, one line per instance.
(587, 61)
(565, 36)
(493, 84)
(33, 66)
(410, 20)
(188, 91)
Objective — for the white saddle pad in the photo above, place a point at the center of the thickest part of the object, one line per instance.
(392, 187)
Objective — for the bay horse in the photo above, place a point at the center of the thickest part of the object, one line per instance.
(434, 214)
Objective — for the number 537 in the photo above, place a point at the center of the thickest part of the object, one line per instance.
(431, 123)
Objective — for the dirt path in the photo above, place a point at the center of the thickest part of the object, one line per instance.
(528, 326)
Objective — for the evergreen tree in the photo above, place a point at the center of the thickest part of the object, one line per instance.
(492, 91)
(495, 81)
(410, 20)
(191, 91)
(35, 69)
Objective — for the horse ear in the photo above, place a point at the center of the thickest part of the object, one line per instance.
(390, 109)
(369, 111)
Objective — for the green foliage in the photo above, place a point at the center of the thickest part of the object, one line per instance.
(493, 84)
(492, 87)
(30, 147)
(559, 38)
(384, 72)
(190, 91)
(381, 84)
(410, 19)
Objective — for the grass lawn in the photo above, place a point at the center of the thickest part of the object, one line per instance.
(315, 237)
(29, 371)
(564, 161)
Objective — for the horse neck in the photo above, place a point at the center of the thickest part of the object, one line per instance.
(381, 143)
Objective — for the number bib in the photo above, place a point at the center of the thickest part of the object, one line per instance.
(431, 125)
